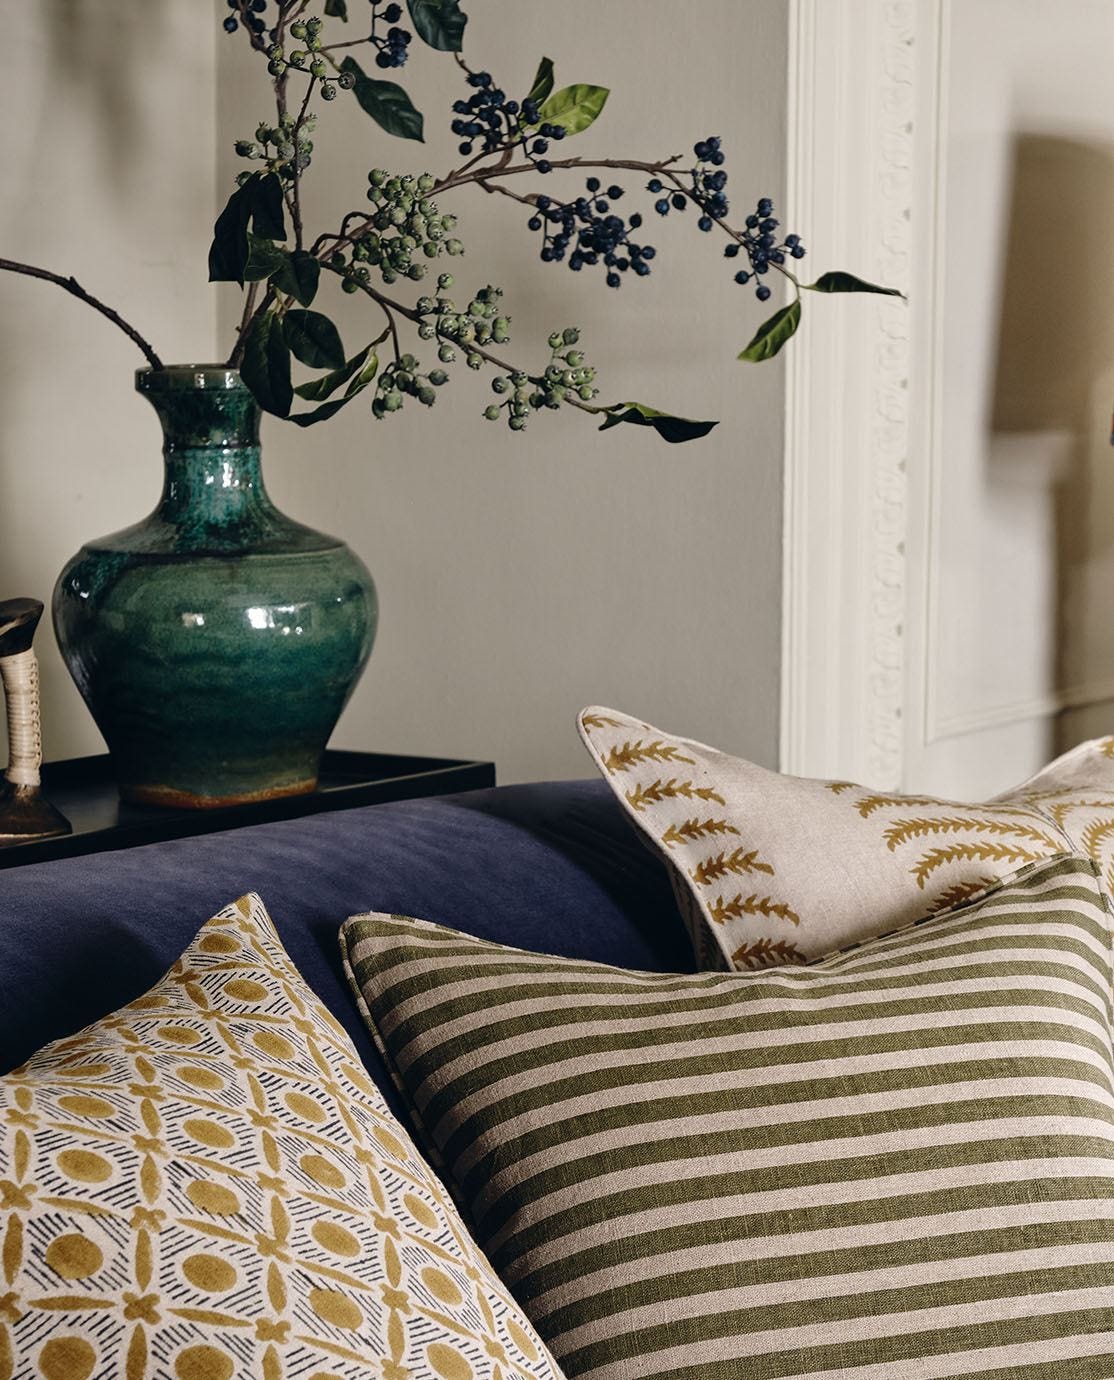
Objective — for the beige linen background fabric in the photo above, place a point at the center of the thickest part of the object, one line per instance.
(207, 1185)
(771, 869)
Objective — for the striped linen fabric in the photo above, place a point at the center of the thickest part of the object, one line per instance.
(893, 1164)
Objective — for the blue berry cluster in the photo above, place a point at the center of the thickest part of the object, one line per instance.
(248, 11)
(589, 232)
(708, 182)
(496, 123)
(392, 48)
(760, 244)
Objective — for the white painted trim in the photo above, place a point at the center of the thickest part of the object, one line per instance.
(847, 392)
(868, 149)
(926, 458)
(794, 715)
(1020, 711)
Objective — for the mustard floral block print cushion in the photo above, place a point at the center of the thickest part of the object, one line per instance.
(771, 869)
(207, 1186)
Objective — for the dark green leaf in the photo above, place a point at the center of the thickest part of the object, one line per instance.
(297, 275)
(387, 104)
(439, 23)
(264, 195)
(338, 8)
(574, 107)
(317, 389)
(772, 334)
(319, 414)
(258, 201)
(673, 429)
(847, 282)
(264, 258)
(229, 251)
(266, 365)
(543, 82)
(313, 339)
(363, 367)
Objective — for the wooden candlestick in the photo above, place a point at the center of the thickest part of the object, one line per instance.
(24, 812)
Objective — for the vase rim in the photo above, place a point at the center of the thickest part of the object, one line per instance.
(180, 378)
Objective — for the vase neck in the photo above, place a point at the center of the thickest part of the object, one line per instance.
(214, 485)
(210, 426)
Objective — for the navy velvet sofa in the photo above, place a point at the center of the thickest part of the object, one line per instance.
(552, 867)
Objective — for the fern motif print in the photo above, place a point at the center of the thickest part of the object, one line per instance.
(771, 869)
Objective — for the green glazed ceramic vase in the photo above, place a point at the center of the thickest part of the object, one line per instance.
(217, 641)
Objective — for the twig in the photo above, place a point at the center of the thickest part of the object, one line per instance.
(493, 187)
(392, 328)
(249, 308)
(71, 285)
(236, 357)
(348, 43)
(389, 305)
(297, 178)
(461, 177)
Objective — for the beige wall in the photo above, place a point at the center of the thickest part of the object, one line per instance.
(520, 577)
(523, 577)
(108, 112)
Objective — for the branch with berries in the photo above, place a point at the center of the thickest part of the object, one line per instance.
(509, 146)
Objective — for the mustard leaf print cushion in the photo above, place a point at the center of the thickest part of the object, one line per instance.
(771, 869)
(896, 1163)
(207, 1186)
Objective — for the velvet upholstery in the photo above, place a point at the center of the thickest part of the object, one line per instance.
(554, 867)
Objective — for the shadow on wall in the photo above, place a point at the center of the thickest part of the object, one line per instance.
(98, 59)
(1053, 390)
(85, 78)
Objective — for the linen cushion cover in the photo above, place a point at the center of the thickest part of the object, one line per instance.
(206, 1185)
(771, 869)
(893, 1164)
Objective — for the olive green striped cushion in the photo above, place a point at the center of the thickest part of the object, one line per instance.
(893, 1164)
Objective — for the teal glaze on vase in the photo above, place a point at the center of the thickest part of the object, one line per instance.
(217, 641)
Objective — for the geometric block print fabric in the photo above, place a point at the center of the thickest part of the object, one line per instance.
(206, 1186)
(770, 869)
(894, 1164)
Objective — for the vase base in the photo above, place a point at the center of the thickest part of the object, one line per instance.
(168, 798)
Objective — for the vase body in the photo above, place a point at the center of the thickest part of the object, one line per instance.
(217, 641)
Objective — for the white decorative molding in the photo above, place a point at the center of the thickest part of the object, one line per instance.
(796, 718)
(873, 122)
(851, 191)
(890, 234)
(1020, 711)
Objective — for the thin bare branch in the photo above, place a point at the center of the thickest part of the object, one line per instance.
(72, 286)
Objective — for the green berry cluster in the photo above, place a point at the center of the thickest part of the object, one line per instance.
(402, 378)
(406, 224)
(566, 375)
(284, 148)
(479, 324)
(308, 59)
